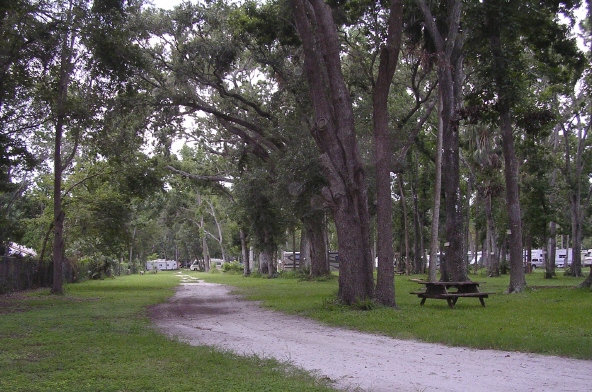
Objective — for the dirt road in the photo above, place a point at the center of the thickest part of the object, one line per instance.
(207, 314)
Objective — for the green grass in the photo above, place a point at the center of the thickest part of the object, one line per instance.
(97, 337)
(548, 320)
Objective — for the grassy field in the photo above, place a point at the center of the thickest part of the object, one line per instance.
(551, 317)
(97, 338)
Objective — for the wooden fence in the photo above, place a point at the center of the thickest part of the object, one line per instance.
(24, 273)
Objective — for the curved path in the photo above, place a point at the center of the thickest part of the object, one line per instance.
(208, 314)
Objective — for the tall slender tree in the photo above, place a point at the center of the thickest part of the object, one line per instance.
(448, 40)
(383, 151)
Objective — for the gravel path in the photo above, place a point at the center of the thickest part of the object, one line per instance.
(207, 314)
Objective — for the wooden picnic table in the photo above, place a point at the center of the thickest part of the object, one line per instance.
(441, 290)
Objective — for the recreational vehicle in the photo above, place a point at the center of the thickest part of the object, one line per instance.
(161, 265)
(537, 258)
(563, 258)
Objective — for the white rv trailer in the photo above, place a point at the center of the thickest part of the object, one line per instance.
(161, 265)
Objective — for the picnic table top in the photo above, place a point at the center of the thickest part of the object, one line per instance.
(449, 283)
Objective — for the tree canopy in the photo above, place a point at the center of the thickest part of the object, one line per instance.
(301, 118)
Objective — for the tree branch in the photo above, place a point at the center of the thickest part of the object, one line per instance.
(199, 177)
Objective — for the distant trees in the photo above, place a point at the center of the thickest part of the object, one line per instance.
(514, 44)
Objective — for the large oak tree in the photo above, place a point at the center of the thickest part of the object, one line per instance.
(334, 133)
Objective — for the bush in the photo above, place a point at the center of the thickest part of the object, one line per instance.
(214, 270)
(98, 266)
(232, 268)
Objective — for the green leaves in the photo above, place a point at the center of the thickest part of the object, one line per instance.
(267, 23)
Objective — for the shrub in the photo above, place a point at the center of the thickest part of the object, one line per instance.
(98, 266)
(232, 268)
(214, 270)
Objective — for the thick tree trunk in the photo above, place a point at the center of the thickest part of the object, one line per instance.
(454, 266)
(305, 251)
(265, 266)
(334, 133)
(315, 234)
(355, 263)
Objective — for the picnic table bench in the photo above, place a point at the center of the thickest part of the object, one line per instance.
(440, 290)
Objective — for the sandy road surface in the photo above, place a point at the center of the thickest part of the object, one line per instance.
(207, 314)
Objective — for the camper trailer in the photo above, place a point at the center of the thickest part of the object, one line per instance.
(537, 258)
(477, 257)
(291, 260)
(161, 265)
(563, 257)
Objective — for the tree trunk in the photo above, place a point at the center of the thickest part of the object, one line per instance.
(467, 220)
(405, 226)
(319, 257)
(576, 233)
(334, 133)
(305, 251)
(517, 279)
(476, 245)
(453, 267)
(575, 178)
(528, 267)
(61, 114)
(204, 246)
(494, 265)
(265, 266)
(434, 233)
(383, 151)
(219, 239)
(253, 262)
(417, 252)
(245, 253)
(272, 264)
(588, 281)
(552, 240)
